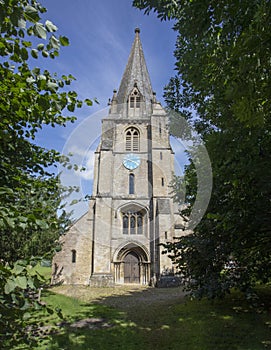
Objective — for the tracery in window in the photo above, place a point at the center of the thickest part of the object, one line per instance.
(134, 99)
(132, 223)
(132, 140)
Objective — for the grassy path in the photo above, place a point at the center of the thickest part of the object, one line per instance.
(132, 318)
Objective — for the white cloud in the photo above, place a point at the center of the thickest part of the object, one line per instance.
(88, 164)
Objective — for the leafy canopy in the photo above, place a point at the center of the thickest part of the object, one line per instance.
(222, 87)
(30, 192)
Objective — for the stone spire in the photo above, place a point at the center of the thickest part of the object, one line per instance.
(136, 74)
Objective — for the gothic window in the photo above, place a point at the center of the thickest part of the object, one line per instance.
(134, 100)
(162, 182)
(132, 140)
(131, 183)
(132, 223)
(73, 256)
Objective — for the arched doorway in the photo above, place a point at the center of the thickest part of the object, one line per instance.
(131, 264)
(131, 268)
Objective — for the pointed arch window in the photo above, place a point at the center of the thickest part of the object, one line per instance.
(132, 140)
(134, 99)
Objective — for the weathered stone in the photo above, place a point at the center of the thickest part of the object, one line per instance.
(131, 211)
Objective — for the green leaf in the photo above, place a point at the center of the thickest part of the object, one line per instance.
(52, 86)
(9, 222)
(54, 42)
(88, 102)
(21, 282)
(42, 224)
(40, 31)
(64, 41)
(24, 54)
(71, 107)
(40, 47)
(34, 53)
(26, 316)
(9, 286)
(30, 80)
(45, 53)
(50, 26)
(30, 283)
(18, 269)
(27, 43)
(31, 14)
(22, 23)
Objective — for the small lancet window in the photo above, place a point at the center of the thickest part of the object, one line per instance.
(73, 256)
(125, 224)
(131, 184)
(132, 224)
(139, 224)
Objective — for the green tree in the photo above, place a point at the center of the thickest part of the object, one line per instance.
(30, 192)
(222, 86)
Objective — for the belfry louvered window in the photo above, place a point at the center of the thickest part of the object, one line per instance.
(134, 100)
(132, 140)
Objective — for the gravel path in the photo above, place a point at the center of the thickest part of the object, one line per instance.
(123, 297)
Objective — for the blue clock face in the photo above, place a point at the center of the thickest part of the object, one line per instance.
(131, 161)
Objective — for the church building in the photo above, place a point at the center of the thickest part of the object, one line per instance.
(131, 210)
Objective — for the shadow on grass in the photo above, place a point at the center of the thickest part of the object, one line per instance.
(106, 327)
(160, 319)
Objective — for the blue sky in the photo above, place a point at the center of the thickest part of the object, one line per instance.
(101, 34)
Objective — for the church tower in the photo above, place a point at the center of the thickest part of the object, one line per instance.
(131, 211)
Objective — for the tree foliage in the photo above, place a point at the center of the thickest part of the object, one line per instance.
(30, 192)
(222, 87)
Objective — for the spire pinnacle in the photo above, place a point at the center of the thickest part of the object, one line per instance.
(136, 72)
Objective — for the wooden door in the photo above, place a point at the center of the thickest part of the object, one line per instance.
(131, 268)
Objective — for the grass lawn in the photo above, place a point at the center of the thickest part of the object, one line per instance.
(146, 318)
